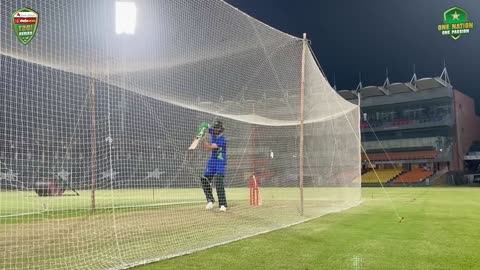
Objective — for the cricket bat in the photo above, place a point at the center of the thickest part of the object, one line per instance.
(194, 144)
(201, 132)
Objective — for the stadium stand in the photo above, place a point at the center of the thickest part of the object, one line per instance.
(421, 122)
(414, 176)
(384, 176)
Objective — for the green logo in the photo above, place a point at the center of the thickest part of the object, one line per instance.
(219, 153)
(25, 22)
(455, 23)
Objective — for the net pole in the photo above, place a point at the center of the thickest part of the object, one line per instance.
(253, 182)
(255, 179)
(302, 108)
(93, 141)
(254, 150)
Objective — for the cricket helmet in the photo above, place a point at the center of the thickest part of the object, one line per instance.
(218, 125)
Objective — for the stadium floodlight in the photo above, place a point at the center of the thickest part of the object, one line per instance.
(125, 17)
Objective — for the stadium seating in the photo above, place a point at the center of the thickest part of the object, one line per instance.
(413, 176)
(401, 156)
(384, 175)
(400, 122)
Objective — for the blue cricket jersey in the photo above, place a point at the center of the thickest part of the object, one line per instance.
(218, 160)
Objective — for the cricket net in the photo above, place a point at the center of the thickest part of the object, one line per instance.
(95, 126)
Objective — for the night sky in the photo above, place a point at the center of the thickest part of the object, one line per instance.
(369, 36)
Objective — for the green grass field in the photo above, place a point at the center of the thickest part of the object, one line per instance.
(129, 226)
(441, 230)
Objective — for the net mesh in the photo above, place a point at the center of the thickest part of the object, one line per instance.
(95, 127)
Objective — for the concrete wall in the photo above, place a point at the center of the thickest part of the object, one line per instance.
(402, 143)
(467, 127)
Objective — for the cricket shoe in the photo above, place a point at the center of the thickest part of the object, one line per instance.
(223, 208)
(209, 205)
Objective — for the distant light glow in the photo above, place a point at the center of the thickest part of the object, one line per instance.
(125, 17)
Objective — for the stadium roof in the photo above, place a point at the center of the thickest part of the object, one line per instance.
(397, 88)
(348, 94)
(372, 91)
(428, 83)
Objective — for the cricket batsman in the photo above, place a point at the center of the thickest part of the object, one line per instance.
(215, 166)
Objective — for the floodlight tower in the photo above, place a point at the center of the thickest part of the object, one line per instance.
(125, 17)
